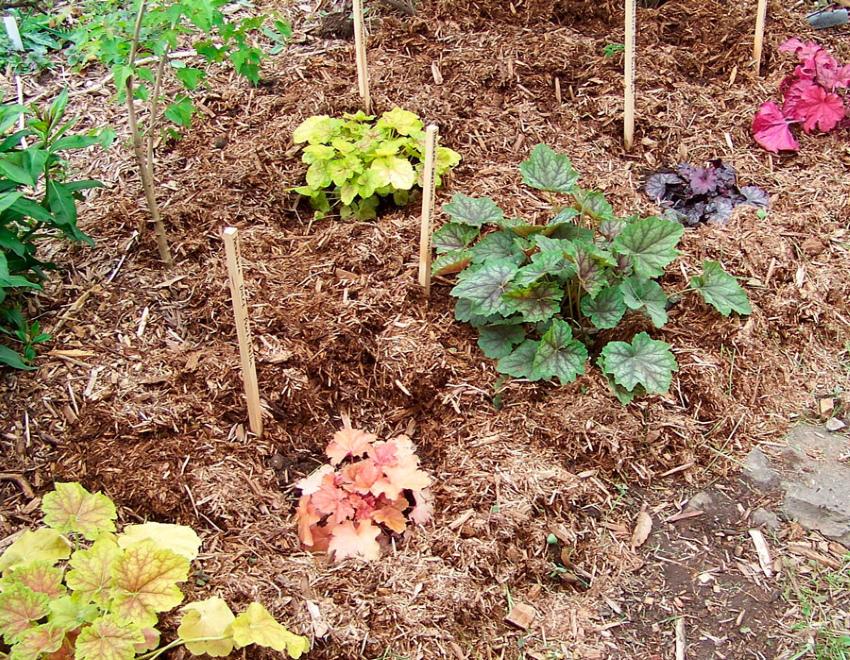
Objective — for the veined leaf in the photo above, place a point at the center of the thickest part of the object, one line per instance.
(402, 121)
(40, 545)
(518, 364)
(645, 362)
(394, 171)
(180, 539)
(538, 301)
(611, 228)
(313, 153)
(446, 159)
(606, 309)
(590, 264)
(37, 642)
(497, 245)
(108, 638)
(453, 236)
(593, 204)
(720, 290)
(547, 170)
(559, 355)
(474, 211)
(256, 626)
(38, 576)
(497, 341)
(71, 508)
(71, 612)
(180, 111)
(91, 571)
(650, 244)
(550, 263)
(206, 620)
(484, 285)
(318, 129)
(647, 296)
(20, 608)
(451, 262)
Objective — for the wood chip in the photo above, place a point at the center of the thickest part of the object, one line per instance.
(804, 550)
(681, 642)
(521, 616)
(763, 552)
(643, 526)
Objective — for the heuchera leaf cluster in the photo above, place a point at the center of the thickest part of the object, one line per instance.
(77, 589)
(370, 489)
(539, 294)
(356, 161)
(813, 95)
(692, 194)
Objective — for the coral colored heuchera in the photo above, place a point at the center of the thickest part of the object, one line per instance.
(371, 488)
(811, 97)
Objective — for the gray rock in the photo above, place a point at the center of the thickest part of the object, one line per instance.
(764, 518)
(758, 470)
(701, 500)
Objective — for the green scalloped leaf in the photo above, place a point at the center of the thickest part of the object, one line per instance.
(650, 244)
(317, 130)
(606, 309)
(108, 638)
(40, 545)
(484, 285)
(518, 363)
(550, 263)
(20, 608)
(647, 296)
(559, 355)
(205, 620)
(70, 508)
(71, 612)
(42, 577)
(256, 626)
(538, 301)
(721, 290)
(644, 362)
(473, 211)
(591, 265)
(497, 341)
(548, 170)
(497, 245)
(90, 576)
(593, 204)
(453, 236)
(451, 262)
(34, 643)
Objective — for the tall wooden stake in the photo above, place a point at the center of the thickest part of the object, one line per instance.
(428, 186)
(243, 328)
(758, 41)
(17, 44)
(360, 56)
(629, 76)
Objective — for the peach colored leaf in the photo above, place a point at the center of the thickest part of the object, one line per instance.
(403, 477)
(355, 540)
(108, 638)
(37, 642)
(362, 475)
(383, 453)
(39, 576)
(349, 442)
(151, 636)
(90, 576)
(391, 517)
(424, 508)
(71, 508)
(20, 608)
(312, 483)
(306, 516)
(332, 501)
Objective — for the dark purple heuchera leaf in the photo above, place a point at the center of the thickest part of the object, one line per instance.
(754, 196)
(703, 180)
(656, 184)
(719, 210)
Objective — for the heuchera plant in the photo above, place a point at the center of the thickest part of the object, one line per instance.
(540, 294)
(77, 589)
(692, 194)
(812, 96)
(370, 490)
(355, 161)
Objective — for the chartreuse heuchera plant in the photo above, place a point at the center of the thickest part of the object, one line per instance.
(540, 294)
(356, 161)
(369, 491)
(77, 589)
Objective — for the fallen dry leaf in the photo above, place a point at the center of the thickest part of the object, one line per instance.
(643, 526)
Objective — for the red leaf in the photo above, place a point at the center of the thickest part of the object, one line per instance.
(815, 107)
(770, 129)
(804, 51)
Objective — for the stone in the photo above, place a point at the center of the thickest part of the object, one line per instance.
(767, 519)
(757, 469)
(834, 424)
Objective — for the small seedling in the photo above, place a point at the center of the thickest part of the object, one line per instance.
(612, 50)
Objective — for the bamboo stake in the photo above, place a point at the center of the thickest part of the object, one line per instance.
(629, 76)
(17, 43)
(360, 56)
(243, 329)
(758, 42)
(428, 186)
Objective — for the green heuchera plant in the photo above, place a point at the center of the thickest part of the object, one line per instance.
(540, 294)
(76, 588)
(355, 161)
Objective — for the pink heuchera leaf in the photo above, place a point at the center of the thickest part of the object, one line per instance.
(804, 51)
(770, 129)
(311, 484)
(349, 442)
(424, 509)
(362, 475)
(383, 453)
(818, 108)
(355, 540)
(333, 501)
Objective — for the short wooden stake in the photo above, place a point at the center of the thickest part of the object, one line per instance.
(629, 76)
(243, 328)
(360, 55)
(758, 41)
(428, 192)
(14, 35)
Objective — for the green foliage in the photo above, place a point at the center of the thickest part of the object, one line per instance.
(41, 34)
(36, 201)
(356, 161)
(541, 294)
(610, 50)
(78, 587)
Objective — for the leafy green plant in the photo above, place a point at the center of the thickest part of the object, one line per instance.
(36, 201)
(540, 294)
(77, 587)
(137, 41)
(356, 161)
(40, 35)
(610, 50)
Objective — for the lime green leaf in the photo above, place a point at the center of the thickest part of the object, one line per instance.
(394, 171)
(538, 301)
(256, 626)
(358, 116)
(145, 579)
(313, 153)
(518, 363)
(446, 159)
(92, 568)
(474, 211)
(720, 290)
(388, 147)
(451, 262)
(497, 341)
(20, 608)
(180, 111)
(606, 309)
(645, 362)
(402, 121)
(646, 296)
(497, 245)
(39, 545)
(547, 170)
(453, 236)
(71, 612)
(37, 642)
(206, 619)
(180, 539)
(558, 355)
(108, 638)
(318, 175)
(318, 129)
(39, 576)
(344, 169)
(484, 285)
(71, 508)
(650, 244)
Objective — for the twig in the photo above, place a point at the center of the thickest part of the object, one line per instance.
(22, 482)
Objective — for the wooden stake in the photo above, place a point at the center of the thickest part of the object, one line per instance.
(428, 186)
(629, 76)
(243, 328)
(360, 56)
(758, 42)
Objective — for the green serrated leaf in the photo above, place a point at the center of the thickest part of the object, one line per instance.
(590, 263)
(71, 508)
(650, 244)
(551, 263)
(592, 203)
(606, 309)
(497, 341)
(645, 296)
(518, 363)
(319, 129)
(402, 121)
(394, 171)
(20, 608)
(44, 544)
(90, 576)
(538, 301)
(71, 612)
(547, 170)
(559, 355)
(484, 285)
(108, 638)
(473, 211)
(453, 236)
(721, 290)
(37, 642)
(180, 111)
(256, 626)
(38, 576)
(190, 77)
(645, 362)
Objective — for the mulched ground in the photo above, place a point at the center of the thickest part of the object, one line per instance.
(155, 418)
